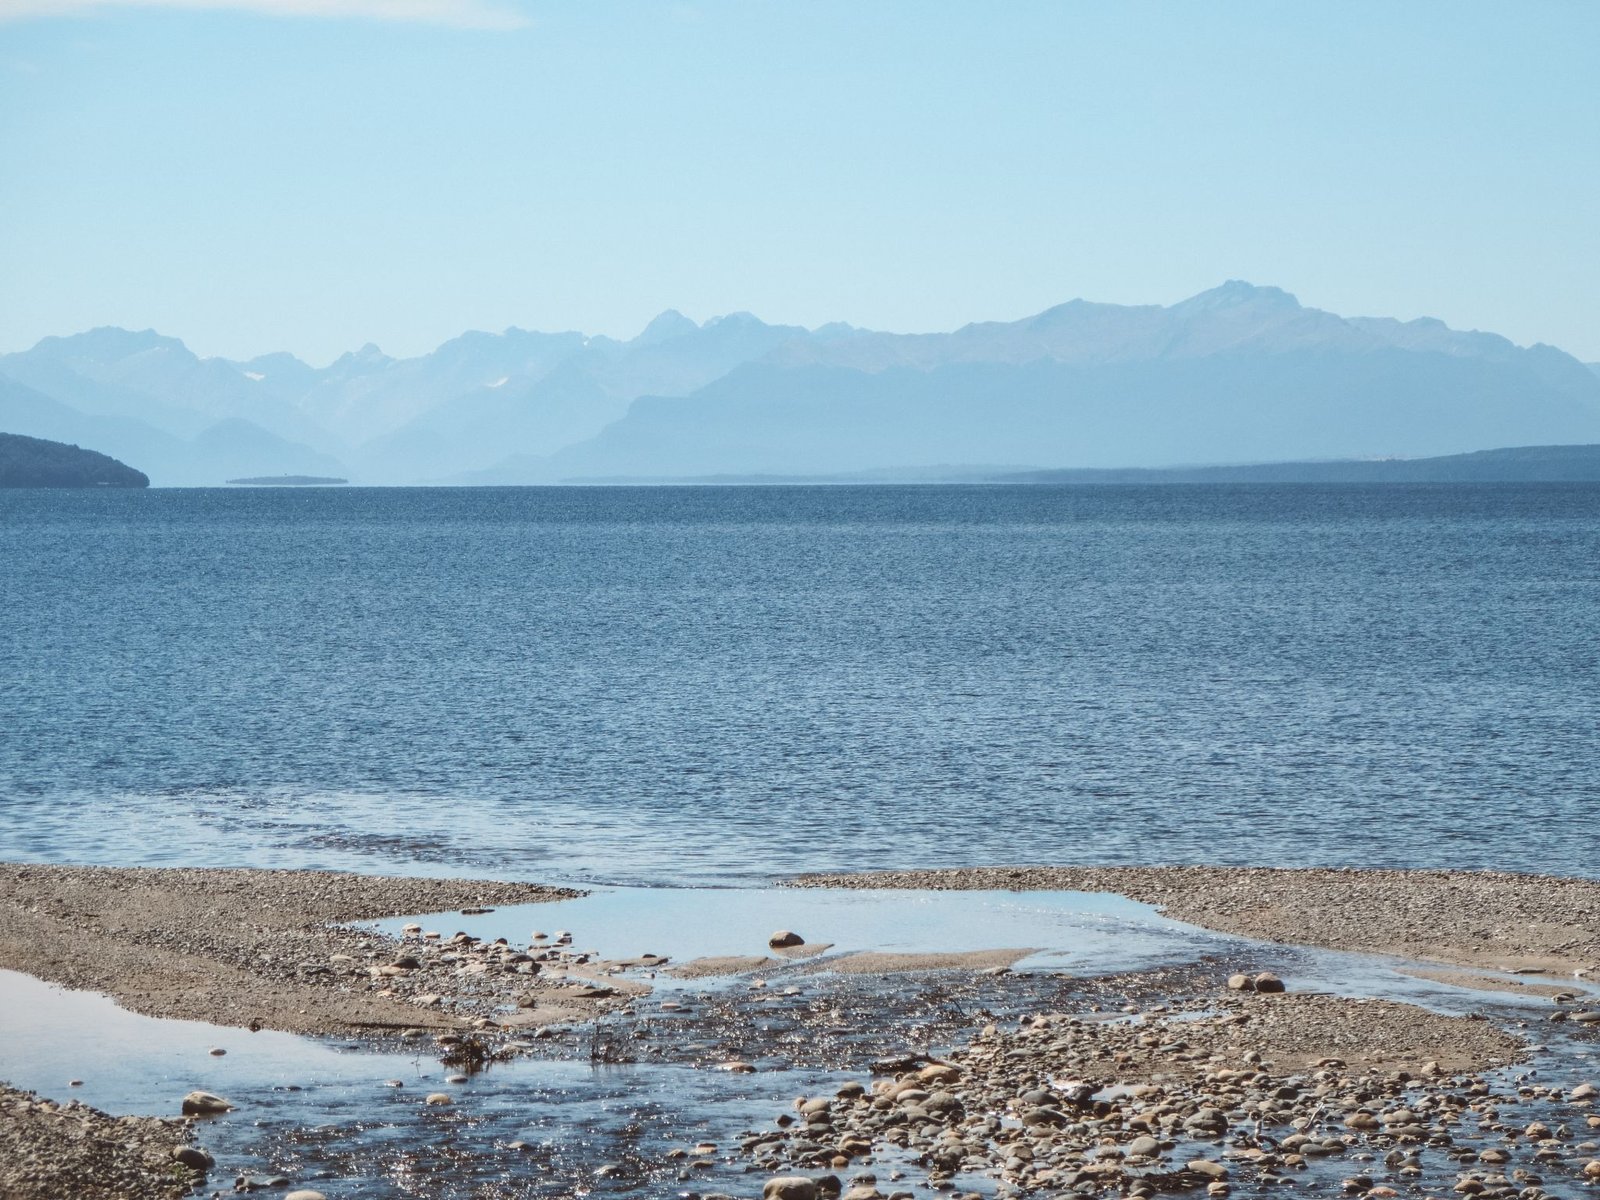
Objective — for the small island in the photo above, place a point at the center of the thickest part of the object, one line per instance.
(27, 462)
(288, 481)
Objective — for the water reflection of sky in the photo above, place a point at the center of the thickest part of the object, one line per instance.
(1091, 931)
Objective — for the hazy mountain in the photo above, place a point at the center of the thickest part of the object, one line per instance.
(34, 462)
(109, 367)
(1236, 373)
(230, 446)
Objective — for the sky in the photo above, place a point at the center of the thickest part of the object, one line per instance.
(312, 175)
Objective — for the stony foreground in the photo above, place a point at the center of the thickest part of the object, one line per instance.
(234, 947)
(70, 1150)
(1263, 1090)
(1475, 918)
(1043, 1084)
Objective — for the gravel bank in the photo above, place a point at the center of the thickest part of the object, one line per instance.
(1474, 918)
(241, 947)
(1362, 1097)
(49, 1151)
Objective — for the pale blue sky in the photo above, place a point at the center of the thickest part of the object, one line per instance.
(251, 182)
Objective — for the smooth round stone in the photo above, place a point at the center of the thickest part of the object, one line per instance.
(194, 1158)
(790, 1187)
(204, 1104)
(438, 1098)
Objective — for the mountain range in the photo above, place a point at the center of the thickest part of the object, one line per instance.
(1237, 374)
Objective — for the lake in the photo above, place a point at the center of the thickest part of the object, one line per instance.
(709, 686)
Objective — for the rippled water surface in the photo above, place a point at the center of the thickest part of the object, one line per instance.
(673, 686)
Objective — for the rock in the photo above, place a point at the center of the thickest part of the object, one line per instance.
(204, 1104)
(782, 939)
(1587, 1018)
(1591, 1169)
(1268, 982)
(737, 1067)
(305, 1194)
(790, 1187)
(1144, 1147)
(216, 1052)
(1211, 1170)
(438, 1098)
(1584, 1091)
(194, 1158)
(1242, 982)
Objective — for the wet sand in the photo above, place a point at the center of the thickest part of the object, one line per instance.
(877, 962)
(1485, 919)
(234, 947)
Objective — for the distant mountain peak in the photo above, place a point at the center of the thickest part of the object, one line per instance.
(1238, 293)
(665, 327)
(108, 343)
(368, 356)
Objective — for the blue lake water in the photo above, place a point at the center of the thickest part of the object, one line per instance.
(712, 686)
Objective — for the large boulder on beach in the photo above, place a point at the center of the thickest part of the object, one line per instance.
(194, 1158)
(785, 938)
(790, 1187)
(1268, 982)
(204, 1104)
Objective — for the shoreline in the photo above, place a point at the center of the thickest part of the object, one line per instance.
(239, 946)
(1495, 920)
(272, 948)
(1173, 1044)
(47, 1148)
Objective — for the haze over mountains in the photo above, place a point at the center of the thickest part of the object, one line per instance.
(1236, 374)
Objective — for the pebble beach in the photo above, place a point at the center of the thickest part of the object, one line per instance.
(958, 1073)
